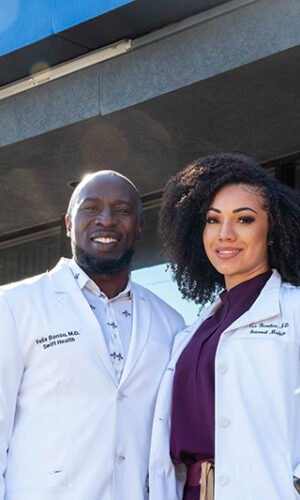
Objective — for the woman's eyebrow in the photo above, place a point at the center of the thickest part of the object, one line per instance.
(243, 208)
(214, 210)
(235, 211)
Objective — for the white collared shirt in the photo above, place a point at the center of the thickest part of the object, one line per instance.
(114, 316)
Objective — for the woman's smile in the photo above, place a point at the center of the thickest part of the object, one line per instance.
(227, 253)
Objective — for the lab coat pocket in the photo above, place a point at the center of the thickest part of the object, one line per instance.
(52, 493)
(38, 451)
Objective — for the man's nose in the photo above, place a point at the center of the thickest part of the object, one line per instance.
(105, 217)
(226, 231)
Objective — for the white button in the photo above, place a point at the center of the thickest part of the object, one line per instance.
(223, 368)
(223, 421)
(223, 480)
(120, 395)
(120, 459)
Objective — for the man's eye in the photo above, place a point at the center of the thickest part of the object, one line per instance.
(122, 211)
(89, 208)
(246, 219)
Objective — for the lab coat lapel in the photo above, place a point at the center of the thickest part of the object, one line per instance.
(266, 305)
(69, 294)
(140, 330)
(182, 338)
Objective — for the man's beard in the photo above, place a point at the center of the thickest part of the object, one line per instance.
(99, 265)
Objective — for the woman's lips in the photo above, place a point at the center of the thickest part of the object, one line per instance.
(227, 253)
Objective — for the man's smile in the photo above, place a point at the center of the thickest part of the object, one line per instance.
(105, 238)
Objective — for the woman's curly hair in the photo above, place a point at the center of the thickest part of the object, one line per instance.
(186, 199)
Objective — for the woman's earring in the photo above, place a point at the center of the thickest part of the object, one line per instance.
(270, 243)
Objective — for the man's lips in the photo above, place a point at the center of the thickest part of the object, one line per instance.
(105, 239)
(227, 253)
(102, 239)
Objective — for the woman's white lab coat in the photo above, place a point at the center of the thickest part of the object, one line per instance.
(257, 404)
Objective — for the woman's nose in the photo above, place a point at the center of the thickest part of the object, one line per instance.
(226, 231)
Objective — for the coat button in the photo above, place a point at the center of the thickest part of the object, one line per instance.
(223, 421)
(120, 459)
(223, 368)
(120, 395)
(223, 480)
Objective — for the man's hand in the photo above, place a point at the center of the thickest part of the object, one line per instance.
(297, 484)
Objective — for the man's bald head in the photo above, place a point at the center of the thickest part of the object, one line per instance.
(105, 174)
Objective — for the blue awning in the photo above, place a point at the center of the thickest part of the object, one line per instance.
(23, 22)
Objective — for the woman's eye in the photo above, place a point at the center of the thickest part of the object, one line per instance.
(246, 219)
(211, 220)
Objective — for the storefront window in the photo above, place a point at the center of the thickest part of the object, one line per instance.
(158, 280)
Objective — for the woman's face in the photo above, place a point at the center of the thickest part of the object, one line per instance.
(235, 234)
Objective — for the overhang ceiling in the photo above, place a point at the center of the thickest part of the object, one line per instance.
(253, 109)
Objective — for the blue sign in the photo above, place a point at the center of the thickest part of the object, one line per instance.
(23, 22)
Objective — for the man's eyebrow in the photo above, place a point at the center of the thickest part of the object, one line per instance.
(88, 199)
(115, 202)
(126, 202)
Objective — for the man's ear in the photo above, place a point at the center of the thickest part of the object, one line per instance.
(68, 220)
(140, 230)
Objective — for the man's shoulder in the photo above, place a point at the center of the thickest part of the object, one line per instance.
(23, 294)
(145, 293)
(156, 302)
(27, 285)
(23, 284)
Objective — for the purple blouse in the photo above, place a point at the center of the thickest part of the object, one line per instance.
(193, 403)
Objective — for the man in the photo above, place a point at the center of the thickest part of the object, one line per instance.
(82, 353)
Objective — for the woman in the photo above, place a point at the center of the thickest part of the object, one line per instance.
(235, 402)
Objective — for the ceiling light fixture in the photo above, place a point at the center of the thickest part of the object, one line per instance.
(64, 69)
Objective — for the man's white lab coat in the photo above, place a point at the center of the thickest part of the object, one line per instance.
(257, 404)
(68, 430)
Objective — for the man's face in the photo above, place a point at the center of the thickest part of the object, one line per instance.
(105, 222)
